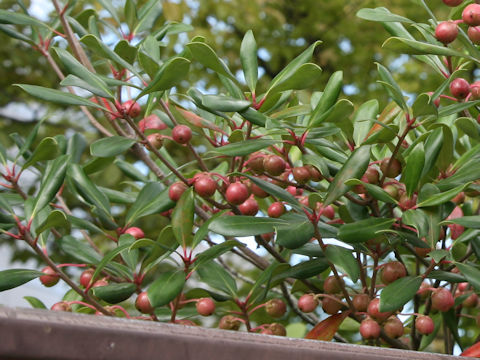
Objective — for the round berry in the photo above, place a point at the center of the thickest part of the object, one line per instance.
(229, 322)
(442, 300)
(257, 190)
(61, 306)
(392, 271)
(393, 327)
(274, 165)
(50, 278)
(424, 325)
(86, 277)
(301, 174)
(331, 285)
(151, 122)
(142, 303)
(237, 193)
(446, 32)
(361, 301)
(275, 308)
(392, 168)
(266, 331)
(460, 88)
(181, 134)
(315, 174)
(205, 186)
(155, 141)
(132, 108)
(307, 303)
(471, 301)
(256, 164)
(452, 3)
(374, 312)
(277, 329)
(249, 207)
(276, 210)
(331, 306)
(205, 306)
(369, 329)
(329, 212)
(371, 176)
(473, 33)
(136, 232)
(391, 190)
(176, 190)
(471, 15)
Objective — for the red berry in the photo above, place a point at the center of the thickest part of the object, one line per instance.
(256, 163)
(452, 3)
(256, 190)
(142, 303)
(132, 108)
(61, 306)
(237, 193)
(442, 300)
(274, 165)
(277, 329)
(50, 278)
(460, 88)
(392, 271)
(393, 327)
(374, 312)
(229, 322)
(331, 306)
(307, 303)
(369, 329)
(473, 33)
(151, 122)
(471, 301)
(155, 141)
(301, 174)
(86, 277)
(249, 207)
(446, 32)
(460, 198)
(276, 210)
(329, 212)
(176, 190)
(275, 308)
(463, 286)
(136, 232)
(99, 283)
(392, 169)
(315, 174)
(361, 301)
(455, 229)
(424, 325)
(205, 306)
(205, 186)
(332, 285)
(181, 134)
(471, 15)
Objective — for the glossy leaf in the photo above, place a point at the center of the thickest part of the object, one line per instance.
(381, 15)
(166, 287)
(46, 150)
(107, 258)
(224, 103)
(298, 232)
(471, 273)
(79, 250)
(443, 197)
(307, 269)
(114, 293)
(254, 116)
(169, 75)
(57, 219)
(363, 120)
(328, 99)
(182, 219)
(398, 293)
(244, 225)
(472, 221)
(215, 251)
(354, 167)
(433, 146)
(391, 86)
(306, 76)
(218, 278)
(363, 230)
(12, 278)
(248, 57)
(34, 302)
(111, 146)
(246, 147)
(10, 17)
(376, 191)
(207, 57)
(424, 105)
(413, 170)
(326, 329)
(152, 199)
(344, 259)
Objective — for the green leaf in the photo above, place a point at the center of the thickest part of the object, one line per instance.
(111, 146)
(56, 219)
(306, 76)
(363, 230)
(51, 182)
(328, 99)
(376, 191)
(265, 281)
(218, 278)
(398, 293)
(433, 146)
(306, 269)
(246, 147)
(152, 199)
(248, 57)
(472, 222)
(14, 18)
(46, 150)
(344, 259)
(57, 96)
(84, 224)
(166, 287)
(202, 231)
(114, 293)
(182, 219)
(224, 103)
(381, 15)
(72, 80)
(446, 276)
(170, 74)
(244, 225)
(12, 278)
(424, 105)
(254, 116)
(148, 14)
(354, 167)
(130, 170)
(362, 120)
(76, 146)
(456, 108)
(298, 232)
(34, 302)
(130, 12)
(413, 170)
(79, 250)
(471, 273)
(107, 258)
(215, 251)
(207, 57)
(443, 197)
(391, 86)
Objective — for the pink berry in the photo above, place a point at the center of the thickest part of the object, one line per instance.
(237, 193)
(176, 190)
(460, 88)
(50, 278)
(393, 327)
(393, 271)
(374, 312)
(442, 300)
(473, 33)
(446, 32)
(452, 3)
(142, 303)
(276, 210)
(369, 329)
(307, 303)
(471, 15)
(132, 108)
(424, 325)
(205, 306)
(155, 141)
(151, 122)
(249, 207)
(181, 134)
(205, 186)
(61, 306)
(136, 232)
(86, 277)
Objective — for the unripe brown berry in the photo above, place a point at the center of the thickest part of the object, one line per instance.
(249, 207)
(142, 303)
(205, 186)
(369, 329)
(132, 108)
(229, 322)
(442, 300)
(315, 174)
(392, 271)
(393, 327)
(371, 176)
(266, 331)
(446, 32)
(361, 301)
(406, 202)
(301, 174)
(136, 232)
(276, 209)
(332, 285)
(181, 134)
(471, 15)
(392, 169)
(61, 306)
(424, 325)
(392, 190)
(176, 190)
(50, 278)
(275, 308)
(374, 312)
(256, 164)
(86, 277)
(274, 165)
(460, 88)
(237, 193)
(307, 303)
(277, 329)
(331, 306)
(151, 122)
(155, 141)
(205, 306)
